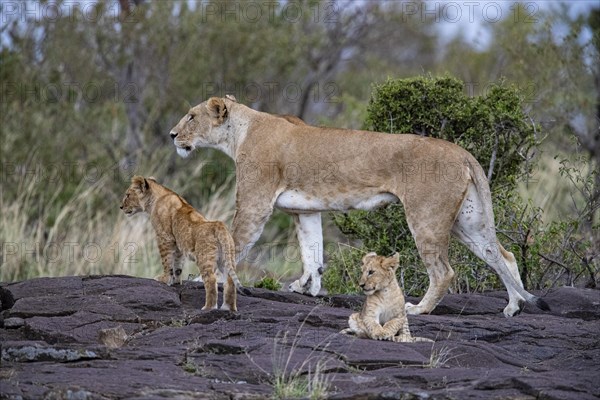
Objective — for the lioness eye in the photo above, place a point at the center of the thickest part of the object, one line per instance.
(370, 273)
(191, 117)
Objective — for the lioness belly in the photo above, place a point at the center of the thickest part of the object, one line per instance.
(297, 201)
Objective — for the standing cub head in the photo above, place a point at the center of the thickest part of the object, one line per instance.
(378, 272)
(136, 197)
(194, 129)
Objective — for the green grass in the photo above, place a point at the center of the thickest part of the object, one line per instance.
(268, 283)
(55, 230)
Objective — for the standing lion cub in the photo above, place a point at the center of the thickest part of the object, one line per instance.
(383, 316)
(183, 231)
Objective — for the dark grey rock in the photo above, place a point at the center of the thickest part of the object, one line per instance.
(121, 337)
(13, 323)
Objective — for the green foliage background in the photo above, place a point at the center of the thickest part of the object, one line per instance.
(87, 98)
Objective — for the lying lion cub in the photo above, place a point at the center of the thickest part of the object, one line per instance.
(181, 230)
(383, 316)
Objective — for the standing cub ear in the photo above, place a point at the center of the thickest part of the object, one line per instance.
(140, 183)
(392, 262)
(217, 110)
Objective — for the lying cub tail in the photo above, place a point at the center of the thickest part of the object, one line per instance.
(228, 257)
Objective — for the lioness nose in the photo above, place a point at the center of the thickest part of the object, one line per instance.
(173, 135)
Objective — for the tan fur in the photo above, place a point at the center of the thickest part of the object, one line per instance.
(383, 316)
(305, 170)
(183, 231)
(293, 119)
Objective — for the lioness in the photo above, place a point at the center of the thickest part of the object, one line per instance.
(383, 316)
(183, 231)
(305, 170)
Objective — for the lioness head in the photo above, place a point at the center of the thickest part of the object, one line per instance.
(378, 272)
(194, 129)
(136, 196)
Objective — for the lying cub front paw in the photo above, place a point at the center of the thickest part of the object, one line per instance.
(380, 335)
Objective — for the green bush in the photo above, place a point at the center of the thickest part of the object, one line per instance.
(492, 127)
(268, 283)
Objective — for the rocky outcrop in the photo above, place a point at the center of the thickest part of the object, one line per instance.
(119, 337)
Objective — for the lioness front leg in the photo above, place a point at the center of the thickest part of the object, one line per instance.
(434, 254)
(246, 229)
(310, 238)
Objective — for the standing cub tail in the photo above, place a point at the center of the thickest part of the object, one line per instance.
(238, 285)
(228, 257)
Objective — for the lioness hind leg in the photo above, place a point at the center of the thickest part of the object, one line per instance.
(435, 256)
(476, 230)
(511, 263)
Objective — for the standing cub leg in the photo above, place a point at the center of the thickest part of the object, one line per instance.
(168, 253)
(229, 295)
(210, 287)
(206, 259)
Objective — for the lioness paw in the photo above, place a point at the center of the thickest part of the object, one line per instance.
(307, 284)
(412, 309)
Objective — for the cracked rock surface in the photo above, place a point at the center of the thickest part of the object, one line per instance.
(118, 337)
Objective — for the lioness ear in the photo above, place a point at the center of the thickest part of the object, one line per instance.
(392, 262)
(140, 183)
(231, 97)
(217, 110)
(368, 256)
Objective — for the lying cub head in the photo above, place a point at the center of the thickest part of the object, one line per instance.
(136, 196)
(378, 272)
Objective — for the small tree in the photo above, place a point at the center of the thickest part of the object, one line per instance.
(493, 127)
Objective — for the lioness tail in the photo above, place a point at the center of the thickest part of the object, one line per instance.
(483, 189)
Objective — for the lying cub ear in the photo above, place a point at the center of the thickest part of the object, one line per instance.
(140, 183)
(368, 256)
(217, 110)
(392, 262)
